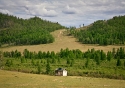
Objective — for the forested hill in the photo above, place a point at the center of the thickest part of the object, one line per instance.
(18, 31)
(103, 32)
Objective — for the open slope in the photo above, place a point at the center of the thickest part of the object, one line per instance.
(22, 80)
(61, 41)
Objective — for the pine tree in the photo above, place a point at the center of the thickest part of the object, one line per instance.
(33, 62)
(113, 52)
(48, 68)
(53, 60)
(109, 56)
(118, 62)
(103, 55)
(97, 58)
(72, 62)
(9, 63)
(87, 63)
(39, 69)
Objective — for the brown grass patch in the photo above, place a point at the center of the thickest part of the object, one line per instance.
(10, 79)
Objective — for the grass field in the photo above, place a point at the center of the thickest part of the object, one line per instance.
(9, 79)
(61, 41)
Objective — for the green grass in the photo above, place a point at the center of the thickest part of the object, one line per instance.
(22, 80)
(106, 69)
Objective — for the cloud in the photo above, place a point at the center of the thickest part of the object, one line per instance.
(49, 13)
(66, 12)
(5, 11)
(69, 10)
(42, 11)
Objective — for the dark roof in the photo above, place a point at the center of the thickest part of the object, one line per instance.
(60, 69)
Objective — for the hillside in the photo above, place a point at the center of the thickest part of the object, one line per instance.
(103, 32)
(61, 41)
(33, 31)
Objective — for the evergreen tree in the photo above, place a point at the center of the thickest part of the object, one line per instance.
(103, 55)
(118, 62)
(109, 56)
(48, 68)
(121, 53)
(72, 62)
(87, 63)
(40, 55)
(97, 58)
(9, 63)
(26, 53)
(39, 69)
(113, 52)
(53, 60)
(32, 61)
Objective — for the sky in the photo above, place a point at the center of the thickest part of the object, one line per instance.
(66, 12)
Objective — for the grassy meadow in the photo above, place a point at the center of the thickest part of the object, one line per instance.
(106, 69)
(61, 41)
(22, 80)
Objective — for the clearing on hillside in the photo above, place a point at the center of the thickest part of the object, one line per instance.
(61, 41)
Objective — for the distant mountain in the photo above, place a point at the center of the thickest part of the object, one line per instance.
(103, 32)
(18, 31)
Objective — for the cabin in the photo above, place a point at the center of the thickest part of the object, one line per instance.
(60, 72)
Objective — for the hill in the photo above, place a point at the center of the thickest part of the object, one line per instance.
(103, 32)
(18, 31)
(79, 59)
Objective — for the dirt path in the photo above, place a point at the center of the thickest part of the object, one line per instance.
(61, 41)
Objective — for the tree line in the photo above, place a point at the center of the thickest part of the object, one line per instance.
(96, 63)
(70, 55)
(18, 31)
(102, 32)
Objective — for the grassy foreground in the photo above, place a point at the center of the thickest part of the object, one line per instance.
(9, 79)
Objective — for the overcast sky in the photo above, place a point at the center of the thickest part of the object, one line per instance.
(66, 12)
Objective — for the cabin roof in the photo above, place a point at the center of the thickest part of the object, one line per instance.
(60, 69)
